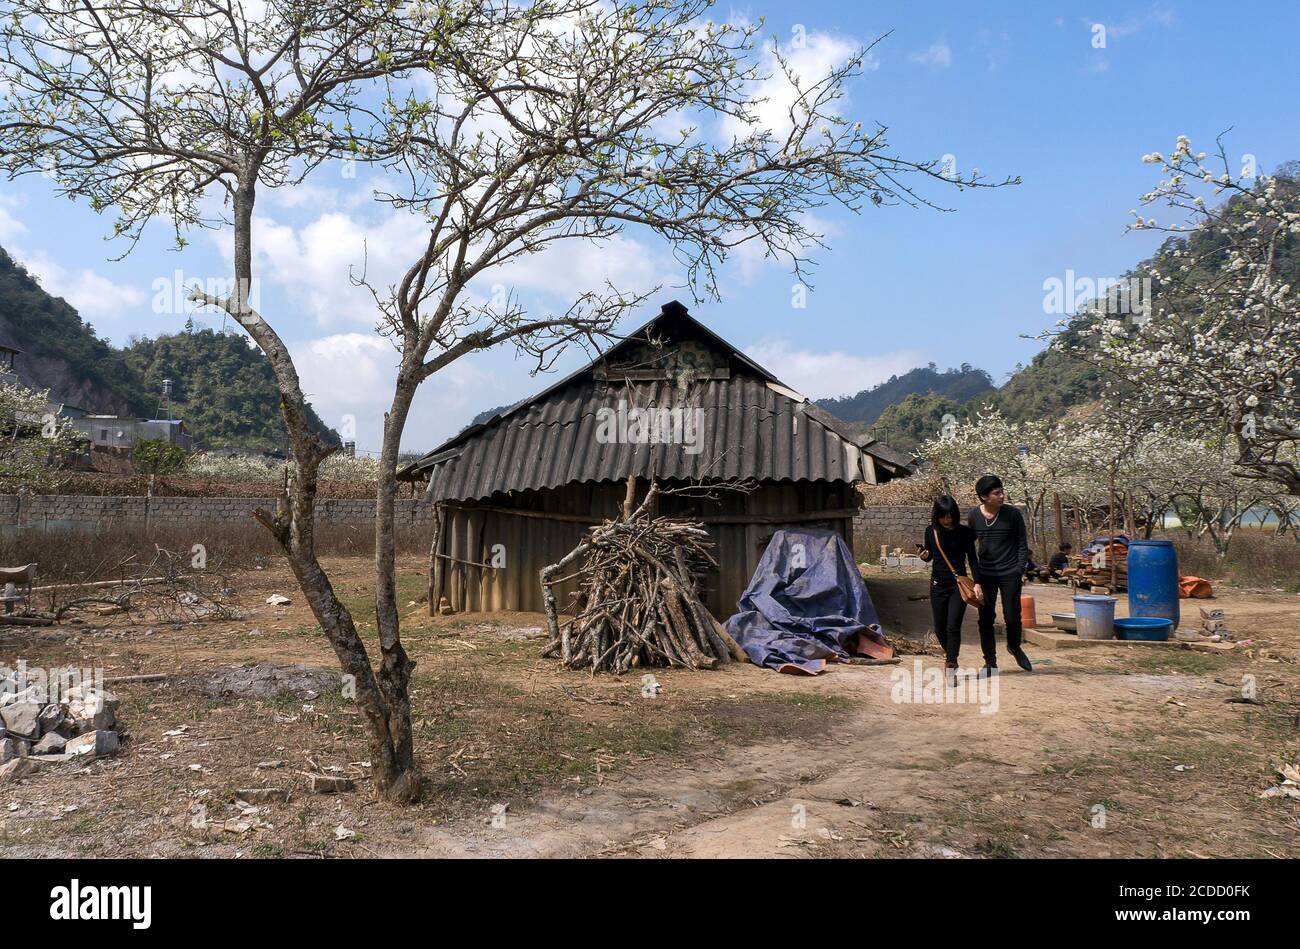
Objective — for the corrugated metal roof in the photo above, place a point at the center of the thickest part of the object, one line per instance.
(745, 429)
(752, 427)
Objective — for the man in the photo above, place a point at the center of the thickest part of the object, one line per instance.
(1060, 560)
(1002, 544)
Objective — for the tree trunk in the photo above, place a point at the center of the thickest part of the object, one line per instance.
(395, 666)
(293, 526)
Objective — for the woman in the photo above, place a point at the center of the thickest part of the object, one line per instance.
(949, 541)
(1003, 554)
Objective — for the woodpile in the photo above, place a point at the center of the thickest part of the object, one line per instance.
(637, 602)
(1094, 574)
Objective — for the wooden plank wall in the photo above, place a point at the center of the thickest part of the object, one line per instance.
(470, 534)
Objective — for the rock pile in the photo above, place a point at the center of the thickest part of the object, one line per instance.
(42, 722)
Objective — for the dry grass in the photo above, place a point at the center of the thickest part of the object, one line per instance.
(725, 752)
(495, 724)
(1255, 559)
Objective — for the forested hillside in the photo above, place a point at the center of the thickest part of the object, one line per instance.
(222, 387)
(959, 385)
(59, 351)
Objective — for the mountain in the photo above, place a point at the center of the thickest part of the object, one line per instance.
(61, 353)
(909, 423)
(486, 414)
(865, 408)
(223, 388)
(1054, 382)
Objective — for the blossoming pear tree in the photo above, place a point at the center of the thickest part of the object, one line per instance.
(1216, 352)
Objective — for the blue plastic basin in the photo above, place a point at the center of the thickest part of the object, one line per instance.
(1143, 627)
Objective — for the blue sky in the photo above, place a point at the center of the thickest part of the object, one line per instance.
(1021, 89)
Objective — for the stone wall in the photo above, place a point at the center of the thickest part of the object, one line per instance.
(90, 513)
(898, 525)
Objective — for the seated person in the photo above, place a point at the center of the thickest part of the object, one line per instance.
(1060, 560)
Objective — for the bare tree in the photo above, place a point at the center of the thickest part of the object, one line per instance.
(510, 129)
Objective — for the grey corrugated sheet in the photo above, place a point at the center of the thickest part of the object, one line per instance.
(749, 432)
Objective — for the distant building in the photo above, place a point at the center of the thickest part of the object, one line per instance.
(8, 360)
(115, 431)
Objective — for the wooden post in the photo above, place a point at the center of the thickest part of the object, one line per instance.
(1110, 548)
(630, 499)
(435, 562)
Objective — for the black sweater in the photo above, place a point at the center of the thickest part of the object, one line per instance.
(1003, 545)
(959, 545)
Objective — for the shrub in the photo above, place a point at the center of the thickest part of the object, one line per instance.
(157, 457)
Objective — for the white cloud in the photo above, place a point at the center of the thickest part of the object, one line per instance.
(751, 260)
(810, 61)
(10, 227)
(1157, 15)
(313, 264)
(937, 56)
(348, 378)
(821, 375)
(94, 296)
(569, 267)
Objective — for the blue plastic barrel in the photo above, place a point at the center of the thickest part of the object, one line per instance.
(1153, 579)
(1094, 616)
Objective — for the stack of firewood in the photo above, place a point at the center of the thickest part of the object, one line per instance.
(1095, 572)
(637, 602)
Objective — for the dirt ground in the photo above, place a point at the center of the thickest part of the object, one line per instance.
(1110, 750)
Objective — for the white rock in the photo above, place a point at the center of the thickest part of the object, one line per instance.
(32, 694)
(54, 719)
(52, 744)
(95, 744)
(22, 720)
(84, 720)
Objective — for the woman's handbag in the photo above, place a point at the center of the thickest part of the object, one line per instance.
(965, 585)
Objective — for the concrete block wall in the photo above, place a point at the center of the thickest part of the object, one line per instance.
(90, 513)
(898, 525)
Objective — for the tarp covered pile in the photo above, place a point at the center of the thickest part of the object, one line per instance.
(807, 605)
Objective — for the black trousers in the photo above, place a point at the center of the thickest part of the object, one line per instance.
(1009, 589)
(949, 610)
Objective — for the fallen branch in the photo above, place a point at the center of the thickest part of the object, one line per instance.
(165, 593)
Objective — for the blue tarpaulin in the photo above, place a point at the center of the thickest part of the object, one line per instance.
(1099, 543)
(806, 604)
